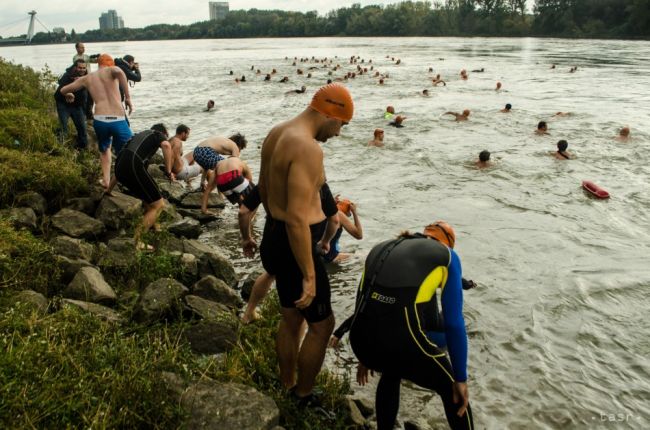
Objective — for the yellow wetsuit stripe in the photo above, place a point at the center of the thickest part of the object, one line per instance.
(408, 323)
(436, 278)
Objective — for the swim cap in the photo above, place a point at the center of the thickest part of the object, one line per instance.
(105, 60)
(334, 101)
(344, 206)
(442, 232)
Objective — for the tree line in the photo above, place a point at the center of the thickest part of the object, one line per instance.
(554, 18)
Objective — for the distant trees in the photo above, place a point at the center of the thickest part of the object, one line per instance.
(564, 18)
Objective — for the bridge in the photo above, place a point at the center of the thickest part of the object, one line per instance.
(30, 30)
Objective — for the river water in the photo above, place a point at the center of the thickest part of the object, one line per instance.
(558, 328)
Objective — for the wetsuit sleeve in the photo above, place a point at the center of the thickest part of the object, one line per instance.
(343, 328)
(452, 310)
(253, 199)
(327, 201)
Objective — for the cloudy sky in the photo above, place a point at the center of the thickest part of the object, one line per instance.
(83, 15)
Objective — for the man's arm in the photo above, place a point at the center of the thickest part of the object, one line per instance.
(303, 180)
(354, 229)
(73, 86)
(168, 157)
(246, 172)
(118, 74)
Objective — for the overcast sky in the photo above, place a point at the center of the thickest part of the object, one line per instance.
(84, 15)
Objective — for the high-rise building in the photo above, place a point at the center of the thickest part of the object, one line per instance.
(218, 10)
(110, 21)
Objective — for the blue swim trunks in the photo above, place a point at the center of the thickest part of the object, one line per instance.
(111, 130)
(207, 157)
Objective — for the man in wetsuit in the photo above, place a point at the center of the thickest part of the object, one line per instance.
(291, 175)
(398, 330)
(110, 123)
(131, 171)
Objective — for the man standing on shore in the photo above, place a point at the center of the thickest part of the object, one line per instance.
(291, 175)
(81, 55)
(74, 110)
(110, 119)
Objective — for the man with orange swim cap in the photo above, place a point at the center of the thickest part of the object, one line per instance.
(291, 176)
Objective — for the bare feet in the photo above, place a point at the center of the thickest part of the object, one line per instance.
(248, 318)
(141, 246)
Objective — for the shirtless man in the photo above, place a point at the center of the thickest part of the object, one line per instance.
(498, 87)
(483, 159)
(378, 141)
(438, 80)
(459, 116)
(542, 128)
(109, 122)
(183, 167)
(234, 179)
(209, 153)
(562, 153)
(623, 134)
(291, 176)
(506, 109)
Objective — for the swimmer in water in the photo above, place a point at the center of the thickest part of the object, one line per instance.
(481, 70)
(562, 114)
(284, 79)
(463, 75)
(562, 153)
(425, 93)
(378, 140)
(390, 112)
(498, 86)
(438, 80)
(623, 134)
(483, 159)
(459, 116)
(542, 128)
(506, 109)
(397, 122)
(210, 106)
(300, 91)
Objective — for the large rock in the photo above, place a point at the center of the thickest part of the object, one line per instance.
(156, 173)
(161, 299)
(366, 406)
(86, 205)
(190, 268)
(214, 289)
(119, 254)
(74, 249)
(186, 227)
(32, 299)
(212, 336)
(118, 211)
(172, 191)
(356, 417)
(220, 406)
(169, 213)
(193, 201)
(247, 284)
(211, 261)
(77, 224)
(34, 201)
(89, 285)
(107, 314)
(21, 217)
(69, 267)
(207, 309)
(197, 215)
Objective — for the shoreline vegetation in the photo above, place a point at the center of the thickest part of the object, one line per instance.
(599, 19)
(95, 334)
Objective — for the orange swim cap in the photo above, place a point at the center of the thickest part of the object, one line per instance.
(334, 101)
(344, 206)
(442, 232)
(105, 60)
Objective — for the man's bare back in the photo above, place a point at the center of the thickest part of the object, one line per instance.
(222, 145)
(104, 87)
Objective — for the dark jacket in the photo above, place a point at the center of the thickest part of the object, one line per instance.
(80, 96)
(131, 74)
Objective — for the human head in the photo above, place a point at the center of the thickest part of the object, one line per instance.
(625, 131)
(129, 59)
(240, 140)
(379, 134)
(508, 106)
(466, 112)
(542, 126)
(183, 131)
(80, 48)
(210, 104)
(498, 85)
(425, 92)
(562, 145)
(344, 206)
(399, 119)
(80, 67)
(390, 109)
(484, 156)
(442, 232)
(160, 128)
(105, 60)
(381, 81)
(333, 101)
(303, 88)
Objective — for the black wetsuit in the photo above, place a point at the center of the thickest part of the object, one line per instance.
(278, 259)
(396, 306)
(132, 162)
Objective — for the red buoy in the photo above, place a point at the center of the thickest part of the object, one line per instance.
(595, 190)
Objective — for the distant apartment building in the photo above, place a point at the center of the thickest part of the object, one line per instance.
(218, 10)
(110, 21)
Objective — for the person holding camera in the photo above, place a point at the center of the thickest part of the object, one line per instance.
(130, 68)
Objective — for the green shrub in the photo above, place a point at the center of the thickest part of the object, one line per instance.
(25, 261)
(35, 90)
(28, 130)
(57, 178)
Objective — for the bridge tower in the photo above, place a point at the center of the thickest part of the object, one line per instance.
(30, 30)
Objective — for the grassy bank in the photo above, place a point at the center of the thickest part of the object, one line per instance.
(61, 367)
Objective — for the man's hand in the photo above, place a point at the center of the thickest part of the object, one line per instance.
(308, 293)
(323, 247)
(69, 97)
(461, 396)
(249, 247)
(362, 374)
(128, 104)
(353, 207)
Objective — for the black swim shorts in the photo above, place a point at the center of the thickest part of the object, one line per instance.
(278, 260)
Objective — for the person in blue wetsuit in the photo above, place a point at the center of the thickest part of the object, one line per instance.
(399, 328)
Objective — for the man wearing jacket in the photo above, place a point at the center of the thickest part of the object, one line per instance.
(74, 109)
(130, 68)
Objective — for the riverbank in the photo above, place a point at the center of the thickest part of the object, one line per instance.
(96, 334)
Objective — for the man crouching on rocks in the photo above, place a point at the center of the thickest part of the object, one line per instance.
(131, 171)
